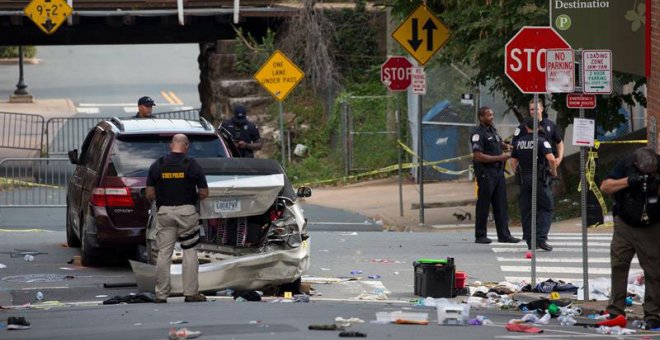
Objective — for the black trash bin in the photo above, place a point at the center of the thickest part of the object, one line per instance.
(434, 277)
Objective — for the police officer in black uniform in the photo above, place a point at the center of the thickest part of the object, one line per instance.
(523, 155)
(243, 132)
(546, 127)
(489, 162)
(635, 181)
(145, 106)
(176, 182)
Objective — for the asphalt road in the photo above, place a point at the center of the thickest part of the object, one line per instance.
(107, 80)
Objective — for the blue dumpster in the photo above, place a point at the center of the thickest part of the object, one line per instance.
(441, 141)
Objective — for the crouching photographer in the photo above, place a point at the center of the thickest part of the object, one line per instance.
(634, 182)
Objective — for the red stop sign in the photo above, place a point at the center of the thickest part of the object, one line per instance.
(395, 73)
(524, 57)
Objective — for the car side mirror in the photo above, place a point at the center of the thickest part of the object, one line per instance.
(73, 156)
(304, 192)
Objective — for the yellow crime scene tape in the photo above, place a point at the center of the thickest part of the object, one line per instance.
(19, 183)
(590, 174)
(394, 167)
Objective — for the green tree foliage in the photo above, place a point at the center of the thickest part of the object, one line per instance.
(12, 51)
(251, 54)
(354, 40)
(480, 30)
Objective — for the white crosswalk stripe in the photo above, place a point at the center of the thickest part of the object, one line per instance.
(564, 262)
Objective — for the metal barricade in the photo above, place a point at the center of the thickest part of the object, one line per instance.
(21, 131)
(34, 182)
(192, 114)
(67, 133)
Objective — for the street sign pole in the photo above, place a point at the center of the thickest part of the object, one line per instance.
(282, 132)
(535, 152)
(583, 194)
(400, 158)
(420, 159)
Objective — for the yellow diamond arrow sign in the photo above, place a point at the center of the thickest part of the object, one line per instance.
(279, 75)
(48, 14)
(422, 34)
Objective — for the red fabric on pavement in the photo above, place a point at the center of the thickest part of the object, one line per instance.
(514, 327)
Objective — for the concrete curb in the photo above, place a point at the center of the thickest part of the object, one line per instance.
(14, 61)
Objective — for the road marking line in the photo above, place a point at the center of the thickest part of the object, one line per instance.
(167, 97)
(25, 231)
(175, 97)
(562, 270)
(555, 250)
(591, 244)
(545, 278)
(561, 259)
(343, 223)
(88, 110)
(518, 234)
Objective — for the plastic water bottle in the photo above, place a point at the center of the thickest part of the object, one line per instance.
(40, 296)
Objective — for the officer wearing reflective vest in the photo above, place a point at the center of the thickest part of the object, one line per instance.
(176, 182)
(522, 160)
(635, 183)
(488, 161)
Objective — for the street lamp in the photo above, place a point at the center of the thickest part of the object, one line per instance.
(20, 87)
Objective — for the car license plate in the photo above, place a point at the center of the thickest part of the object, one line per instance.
(227, 206)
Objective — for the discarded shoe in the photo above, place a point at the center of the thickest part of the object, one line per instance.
(483, 240)
(183, 333)
(17, 323)
(509, 240)
(195, 298)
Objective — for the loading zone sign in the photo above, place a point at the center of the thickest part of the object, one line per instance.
(597, 71)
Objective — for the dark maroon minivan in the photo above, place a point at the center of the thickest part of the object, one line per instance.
(106, 205)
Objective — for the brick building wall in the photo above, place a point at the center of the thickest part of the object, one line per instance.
(653, 94)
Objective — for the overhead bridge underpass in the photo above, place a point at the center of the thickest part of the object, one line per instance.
(143, 22)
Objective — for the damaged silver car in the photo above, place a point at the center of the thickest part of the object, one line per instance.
(253, 232)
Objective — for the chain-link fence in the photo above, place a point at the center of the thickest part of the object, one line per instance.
(370, 129)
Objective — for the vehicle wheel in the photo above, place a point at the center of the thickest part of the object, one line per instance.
(294, 287)
(89, 256)
(71, 239)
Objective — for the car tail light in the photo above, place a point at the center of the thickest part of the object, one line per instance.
(112, 197)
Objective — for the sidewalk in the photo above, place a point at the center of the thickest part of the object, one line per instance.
(379, 200)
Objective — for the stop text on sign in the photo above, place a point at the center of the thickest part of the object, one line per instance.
(392, 74)
(395, 73)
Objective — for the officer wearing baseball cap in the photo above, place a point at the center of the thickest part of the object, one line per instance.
(145, 105)
(243, 132)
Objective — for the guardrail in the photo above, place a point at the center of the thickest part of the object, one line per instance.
(34, 182)
(21, 131)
